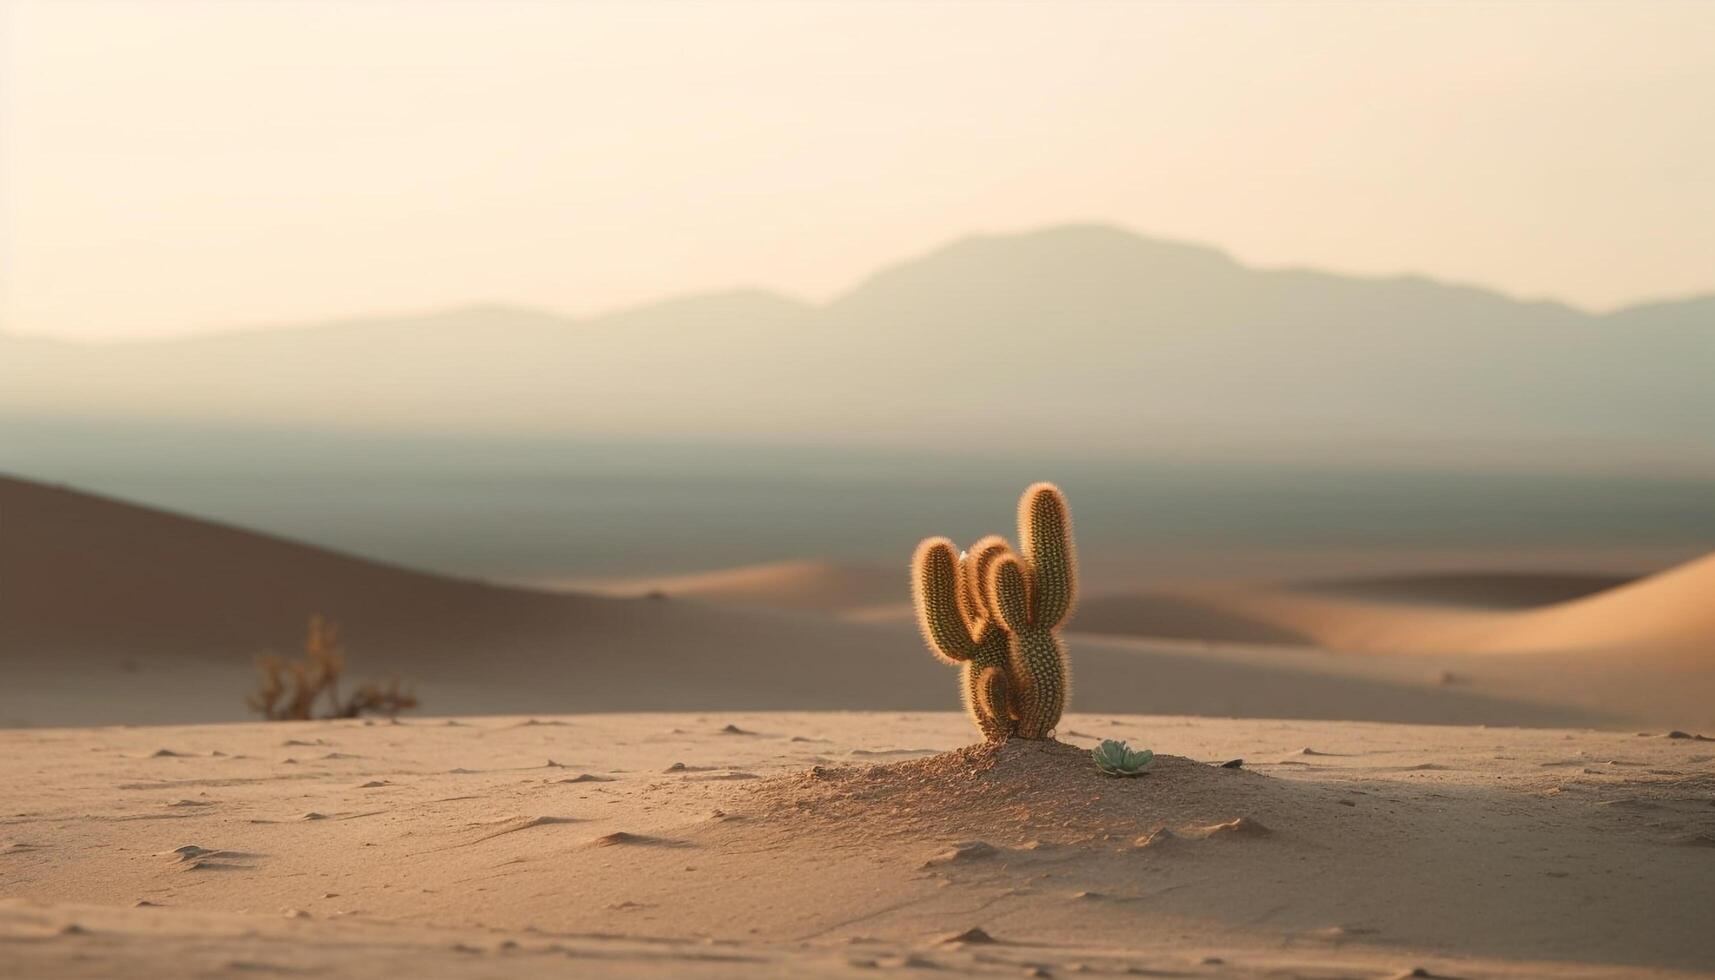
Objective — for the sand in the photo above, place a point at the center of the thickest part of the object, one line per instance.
(794, 844)
(1665, 618)
(790, 810)
(833, 588)
(116, 614)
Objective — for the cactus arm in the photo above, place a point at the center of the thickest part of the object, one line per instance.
(1005, 593)
(1045, 537)
(970, 603)
(976, 566)
(988, 701)
(934, 592)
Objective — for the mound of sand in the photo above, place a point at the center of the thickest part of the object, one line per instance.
(1025, 793)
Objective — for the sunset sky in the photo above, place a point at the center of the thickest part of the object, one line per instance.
(171, 167)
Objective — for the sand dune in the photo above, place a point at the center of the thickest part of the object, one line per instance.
(1178, 616)
(1482, 590)
(1667, 618)
(842, 844)
(1671, 611)
(1644, 649)
(806, 585)
(116, 614)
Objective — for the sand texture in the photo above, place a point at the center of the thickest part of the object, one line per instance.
(793, 844)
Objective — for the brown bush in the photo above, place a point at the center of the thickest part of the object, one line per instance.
(288, 690)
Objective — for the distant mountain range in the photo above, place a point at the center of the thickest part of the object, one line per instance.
(1072, 338)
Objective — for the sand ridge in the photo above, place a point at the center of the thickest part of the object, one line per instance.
(1665, 618)
(804, 585)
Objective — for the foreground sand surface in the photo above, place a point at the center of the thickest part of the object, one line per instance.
(793, 844)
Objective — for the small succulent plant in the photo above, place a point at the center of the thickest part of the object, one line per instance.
(1117, 758)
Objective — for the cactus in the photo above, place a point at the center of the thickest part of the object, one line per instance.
(1117, 758)
(1031, 594)
(959, 631)
(994, 614)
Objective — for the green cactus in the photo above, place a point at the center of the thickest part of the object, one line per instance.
(1117, 758)
(959, 631)
(1031, 595)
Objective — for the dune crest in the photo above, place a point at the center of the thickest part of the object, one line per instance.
(1668, 617)
(804, 585)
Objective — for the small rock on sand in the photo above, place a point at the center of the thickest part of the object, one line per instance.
(619, 837)
(973, 850)
(975, 934)
(1236, 827)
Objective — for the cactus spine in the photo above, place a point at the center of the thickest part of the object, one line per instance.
(1031, 595)
(994, 614)
(958, 630)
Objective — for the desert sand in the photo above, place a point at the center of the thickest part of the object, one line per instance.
(800, 814)
(833, 588)
(1628, 650)
(185, 605)
(792, 844)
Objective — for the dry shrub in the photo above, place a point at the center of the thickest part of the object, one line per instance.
(288, 690)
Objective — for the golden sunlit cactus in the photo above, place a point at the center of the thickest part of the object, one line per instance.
(958, 629)
(1031, 594)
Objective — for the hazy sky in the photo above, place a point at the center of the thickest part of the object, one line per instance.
(178, 166)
